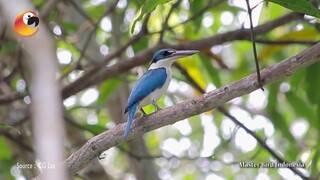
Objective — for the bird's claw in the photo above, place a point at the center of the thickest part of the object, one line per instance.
(143, 113)
(158, 108)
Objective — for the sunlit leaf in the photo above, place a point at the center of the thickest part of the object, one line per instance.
(276, 10)
(192, 68)
(301, 6)
(5, 152)
(304, 34)
(95, 12)
(147, 7)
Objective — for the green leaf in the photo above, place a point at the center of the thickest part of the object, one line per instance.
(7, 48)
(6, 159)
(147, 7)
(194, 8)
(280, 123)
(301, 107)
(272, 99)
(95, 12)
(214, 75)
(107, 89)
(314, 163)
(94, 129)
(317, 122)
(312, 87)
(301, 6)
(68, 26)
(189, 176)
(142, 44)
(297, 78)
(5, 152)
(197, 129)
(38, 2)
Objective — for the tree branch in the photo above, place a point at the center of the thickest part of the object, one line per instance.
(201, 104)
(7, 98)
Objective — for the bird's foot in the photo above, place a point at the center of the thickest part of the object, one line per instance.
(102, 156)
(143, 113)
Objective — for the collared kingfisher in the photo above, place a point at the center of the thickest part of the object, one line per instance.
(151, 86)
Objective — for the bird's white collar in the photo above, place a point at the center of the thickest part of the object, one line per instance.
(166, 63)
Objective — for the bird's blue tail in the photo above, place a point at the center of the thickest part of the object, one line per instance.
(132, 109)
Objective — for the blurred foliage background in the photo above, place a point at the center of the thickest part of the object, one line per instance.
(93, 34)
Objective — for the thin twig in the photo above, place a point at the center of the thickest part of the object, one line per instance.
(7, 98)
(254, 46)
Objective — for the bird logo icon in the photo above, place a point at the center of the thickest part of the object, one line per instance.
(26, 24)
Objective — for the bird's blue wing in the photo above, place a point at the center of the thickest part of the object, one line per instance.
(149, 82)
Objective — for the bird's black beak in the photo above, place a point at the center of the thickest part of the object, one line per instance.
(184, 53)
(32, 20)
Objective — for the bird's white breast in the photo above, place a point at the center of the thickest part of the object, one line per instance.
(156, 94)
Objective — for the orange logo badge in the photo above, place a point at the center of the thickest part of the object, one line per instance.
(26, 24)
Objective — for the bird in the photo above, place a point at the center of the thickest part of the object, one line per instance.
(26, 23)
(153, 83)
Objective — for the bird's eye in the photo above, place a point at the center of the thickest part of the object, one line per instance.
(167, 53)
(26, 16)
(164, 53)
